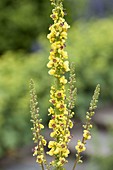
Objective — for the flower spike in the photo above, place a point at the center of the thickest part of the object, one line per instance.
(36, 129)
(61, 106)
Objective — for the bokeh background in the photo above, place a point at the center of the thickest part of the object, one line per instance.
(24, 51)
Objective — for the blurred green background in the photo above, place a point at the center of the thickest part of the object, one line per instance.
(24, 51)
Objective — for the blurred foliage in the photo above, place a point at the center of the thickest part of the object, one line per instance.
(100, 8)
(21, 22)
(89, 46)
(16, 70)
(102, 163)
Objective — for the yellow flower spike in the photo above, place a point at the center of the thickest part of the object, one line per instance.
(61, 109)
(37, 127)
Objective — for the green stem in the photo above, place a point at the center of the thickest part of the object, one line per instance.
(76, 161)
(42, 166)
(46, 164)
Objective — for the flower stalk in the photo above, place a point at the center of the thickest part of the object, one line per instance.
(61, 106)
(80, 147)
(38, 139)
(58, 65)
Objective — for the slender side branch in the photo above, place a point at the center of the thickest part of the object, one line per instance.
(80, 147)
(72, 90)
(37, 126)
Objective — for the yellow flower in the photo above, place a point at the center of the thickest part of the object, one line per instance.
(55, 45)
(62, 13)
(52, 124)
(63, 54)
(53, 134)
(61, 106)
(61, 161)
(63, 80)
(51, 110)
(65, 152)
(41, 126)
(50, 64)
(51, 144)
(60, 94)
(86, 134)
(54, 16)
(80, 147)
(65, 112)
(53, 101)
(51, 72)
(70, 124)
(44, 142)
(51, 152)
(40, 159)
(64, 35)
(65, 26)
(35, 151)
(57, 150)
(66, 66)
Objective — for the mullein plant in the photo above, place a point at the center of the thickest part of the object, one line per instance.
(62, 102)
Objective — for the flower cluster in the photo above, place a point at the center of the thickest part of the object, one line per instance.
(38, 139)
(80, 147)
(59, 65)
(57, 37)
(61, 105)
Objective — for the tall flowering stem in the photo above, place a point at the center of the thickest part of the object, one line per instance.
(59, 65)
(38, 139)
(62, 103)
(80, 147)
